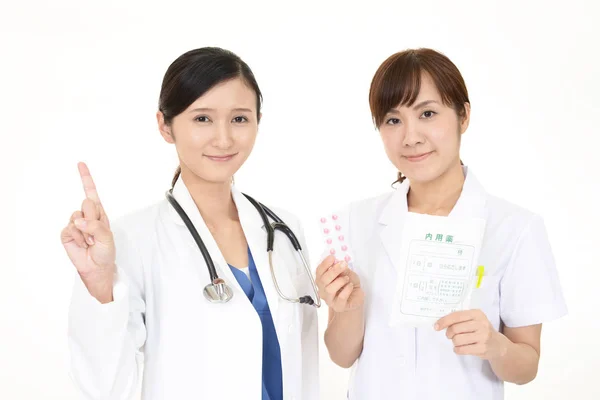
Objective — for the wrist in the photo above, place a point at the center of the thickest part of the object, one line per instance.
(502, 344)
(351, 312)
(99, 285)
(348, 316)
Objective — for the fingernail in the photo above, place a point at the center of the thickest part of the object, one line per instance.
(344, 264)
(80, 223)
(90, 240)
(436, 327)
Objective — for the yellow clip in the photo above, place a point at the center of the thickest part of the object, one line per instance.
(480, 271)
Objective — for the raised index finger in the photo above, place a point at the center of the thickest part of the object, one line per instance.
(88, 183)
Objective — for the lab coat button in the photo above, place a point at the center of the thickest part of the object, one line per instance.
(290, 328)
(401, 361)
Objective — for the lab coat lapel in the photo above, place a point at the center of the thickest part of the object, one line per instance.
(392, 220)
(256, 236)
(472, 200)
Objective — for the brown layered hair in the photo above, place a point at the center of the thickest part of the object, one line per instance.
(397, 82)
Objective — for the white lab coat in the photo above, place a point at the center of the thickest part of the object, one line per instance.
(162, 333)
(520, 288)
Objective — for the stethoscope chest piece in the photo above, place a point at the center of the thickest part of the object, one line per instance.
(218, 291)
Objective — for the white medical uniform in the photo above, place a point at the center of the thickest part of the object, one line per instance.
(520, 288)
(161, 325)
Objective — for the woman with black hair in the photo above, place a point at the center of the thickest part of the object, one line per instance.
(138, 307)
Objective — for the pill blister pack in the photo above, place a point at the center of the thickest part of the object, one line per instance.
(334, 230)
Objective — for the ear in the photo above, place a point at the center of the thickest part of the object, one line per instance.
(259, 118)
(164, 128)
(464, 120)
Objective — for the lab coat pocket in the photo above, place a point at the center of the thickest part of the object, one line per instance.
(487, 295)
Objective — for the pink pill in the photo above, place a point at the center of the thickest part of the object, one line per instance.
(341, 238)
(335, 217)
(344, 247)
(337, 227)
(323, 220)
(329, 241)
(326, 230)
(347, 258)
(332, 251)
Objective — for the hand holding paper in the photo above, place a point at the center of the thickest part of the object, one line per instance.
(472, 334)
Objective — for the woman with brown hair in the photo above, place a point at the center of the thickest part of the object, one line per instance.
(420, 106)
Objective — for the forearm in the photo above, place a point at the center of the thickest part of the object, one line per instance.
(518, 362)
(344, 336)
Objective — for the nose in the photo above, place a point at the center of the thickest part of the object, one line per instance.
(412, 136)
(223, 137)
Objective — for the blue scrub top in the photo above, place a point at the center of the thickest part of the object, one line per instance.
(272, 384)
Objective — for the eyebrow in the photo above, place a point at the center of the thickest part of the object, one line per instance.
(415, 106)
(205, 109)
(424, 103)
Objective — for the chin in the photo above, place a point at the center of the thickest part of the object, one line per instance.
(214, 174)
(217, 179)
(220, 177)
(422, 174)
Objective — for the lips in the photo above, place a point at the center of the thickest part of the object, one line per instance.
(418, 157)
(220, 158)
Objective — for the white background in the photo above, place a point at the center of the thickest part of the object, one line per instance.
(80, 81)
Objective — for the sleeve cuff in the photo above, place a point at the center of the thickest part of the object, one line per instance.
(87, 313)
(535, 315)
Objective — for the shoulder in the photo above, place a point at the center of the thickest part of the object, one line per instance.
(370, 207)
(139, 223)
(516, 237)
(512, 216)
(288, 217)
(360, 218)
(134, 236)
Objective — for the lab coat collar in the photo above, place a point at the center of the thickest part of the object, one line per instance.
(471, 202)
(254, 231)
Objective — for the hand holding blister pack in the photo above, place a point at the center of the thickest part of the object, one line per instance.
(334, 230)
(438, 268)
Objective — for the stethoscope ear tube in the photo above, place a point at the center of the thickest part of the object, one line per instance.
(265, 220)
(288, 232)
(265, 213)
(278, 224)
(209, 263)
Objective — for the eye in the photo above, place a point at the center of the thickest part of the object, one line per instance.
(202, 118)
(240, 119)
(392, 121)
(428, 114)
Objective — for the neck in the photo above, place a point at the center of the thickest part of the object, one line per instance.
(437, 197)
(213, 199)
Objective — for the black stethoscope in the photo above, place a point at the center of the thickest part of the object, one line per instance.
(217, 291)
